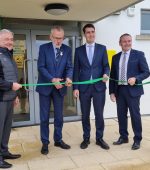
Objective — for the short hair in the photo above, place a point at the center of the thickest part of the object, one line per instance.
(88, 26)
(4, 31)
(124, 35)
(57, 27)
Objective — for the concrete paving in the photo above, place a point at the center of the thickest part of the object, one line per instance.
(26, 141)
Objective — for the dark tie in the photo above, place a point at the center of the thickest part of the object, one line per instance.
(123, 69)
(57, 54)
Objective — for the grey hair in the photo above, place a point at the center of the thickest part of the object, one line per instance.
(57, 27)
(4, 31)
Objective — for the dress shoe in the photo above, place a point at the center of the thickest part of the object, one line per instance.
(135, 146)
(62, 145)
(102, 144)
(9, 155)
(84, 144)
(4, 164)
(44, 149)
(120, 141)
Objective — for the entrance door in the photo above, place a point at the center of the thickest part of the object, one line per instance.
(26, 49)
(24, 112)
(70, 104)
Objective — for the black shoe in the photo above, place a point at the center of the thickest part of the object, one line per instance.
(102, 143)
(84, 144)
(135, 146)
(4, 164)
(9, 155)
(44, 149)
(62, 145)
(120, 141)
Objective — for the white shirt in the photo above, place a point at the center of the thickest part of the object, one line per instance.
(126, 64)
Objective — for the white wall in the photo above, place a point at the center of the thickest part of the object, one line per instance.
(108, 32)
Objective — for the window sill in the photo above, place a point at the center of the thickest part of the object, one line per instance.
(143, 37)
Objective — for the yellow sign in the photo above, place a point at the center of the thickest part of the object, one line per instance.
(19, 52)
(110, 54)
(19, 60)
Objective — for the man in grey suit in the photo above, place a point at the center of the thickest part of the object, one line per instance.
(8, 95)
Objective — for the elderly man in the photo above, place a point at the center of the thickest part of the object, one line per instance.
(54, 65)
(8, 96)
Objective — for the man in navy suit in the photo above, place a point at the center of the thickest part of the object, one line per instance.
(91, 62)
(54, 65)
(130, 67)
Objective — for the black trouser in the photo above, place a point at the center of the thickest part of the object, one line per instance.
(6, 112)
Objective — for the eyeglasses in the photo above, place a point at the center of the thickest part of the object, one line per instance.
(58, 38)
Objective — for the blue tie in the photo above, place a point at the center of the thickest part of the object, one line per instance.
(57, 54)
(90, 54)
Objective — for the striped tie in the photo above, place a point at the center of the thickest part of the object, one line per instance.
(57, 54)
(123, 69)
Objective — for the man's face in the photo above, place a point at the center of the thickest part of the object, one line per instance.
(57, 38)
(126, 43)
(6, 40)
(90, 35)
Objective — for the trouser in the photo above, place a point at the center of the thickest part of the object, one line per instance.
(45, 103)
(125, 101)
(6, 112)
(98, 103)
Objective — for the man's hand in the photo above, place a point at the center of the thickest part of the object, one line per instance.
(57, 81)
(132, 81)
(68, 82)
(16, 86)
(113, 97)
(105, 77)
(76, 93)
(16, 102)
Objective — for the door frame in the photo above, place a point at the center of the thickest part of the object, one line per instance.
(32, 76)
(75, 43)
(27, 33)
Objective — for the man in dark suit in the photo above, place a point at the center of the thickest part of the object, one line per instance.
(130, 67)
(54, 65)
(91, 62)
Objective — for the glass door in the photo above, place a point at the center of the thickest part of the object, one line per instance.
(70, 104)
(24, 112)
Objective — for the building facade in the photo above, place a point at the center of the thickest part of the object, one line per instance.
(135, 21)
(31, 25)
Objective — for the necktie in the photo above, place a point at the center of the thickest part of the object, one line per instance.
(57, 54)
(90, 54)
(123, 69)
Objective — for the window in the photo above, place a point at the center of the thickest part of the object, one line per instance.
(145, 24)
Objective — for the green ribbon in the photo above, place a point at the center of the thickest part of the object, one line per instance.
(50, 84)
(139, 84)
(82, 82)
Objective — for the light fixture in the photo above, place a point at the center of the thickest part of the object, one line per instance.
(56, 8)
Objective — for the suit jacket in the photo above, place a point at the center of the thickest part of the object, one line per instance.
(48, 69)
(137, 67)
(83, 70)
